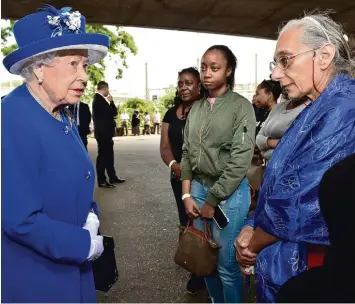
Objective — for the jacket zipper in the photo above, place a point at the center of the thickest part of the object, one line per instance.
(201, 131)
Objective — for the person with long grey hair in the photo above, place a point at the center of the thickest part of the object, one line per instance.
(287, 234)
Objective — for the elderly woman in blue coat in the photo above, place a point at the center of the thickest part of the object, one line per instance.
(49, 221)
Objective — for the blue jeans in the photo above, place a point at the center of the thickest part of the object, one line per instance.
(226, 284)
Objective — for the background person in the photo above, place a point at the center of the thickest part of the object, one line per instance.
(104, 112)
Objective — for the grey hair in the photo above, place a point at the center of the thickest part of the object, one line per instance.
(318, 30)
(36, 61)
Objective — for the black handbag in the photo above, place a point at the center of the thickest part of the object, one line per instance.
(105, 268)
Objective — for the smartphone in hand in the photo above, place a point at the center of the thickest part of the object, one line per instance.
(220, 218)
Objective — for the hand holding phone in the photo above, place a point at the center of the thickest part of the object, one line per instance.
(220, 218)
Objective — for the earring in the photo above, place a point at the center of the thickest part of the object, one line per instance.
(40, 80)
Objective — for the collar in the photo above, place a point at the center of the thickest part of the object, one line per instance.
(101, 94)
(221, 97)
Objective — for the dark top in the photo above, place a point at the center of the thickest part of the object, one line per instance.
(261, 116)
(84, 117)
(334, 282)
(175, 132)
(318, 285)
(135, 120)
(103, 115)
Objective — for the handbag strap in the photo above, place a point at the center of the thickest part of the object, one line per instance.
(252, 191)
(207, 230)
(189, 223)
(208, 233)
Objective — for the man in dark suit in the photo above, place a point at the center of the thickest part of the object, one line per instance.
(82, 117)
(104, 112)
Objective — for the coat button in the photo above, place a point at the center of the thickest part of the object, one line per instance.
(66, 129)
(88, 175)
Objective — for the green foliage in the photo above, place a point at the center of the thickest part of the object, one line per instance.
(6, 33)
(121, 44)
(132, 104)
(168, 99)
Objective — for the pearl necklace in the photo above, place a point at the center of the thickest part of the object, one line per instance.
(55, 114)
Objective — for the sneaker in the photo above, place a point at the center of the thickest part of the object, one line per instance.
(195, 284)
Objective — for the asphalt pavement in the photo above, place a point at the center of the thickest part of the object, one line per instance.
(142, 217)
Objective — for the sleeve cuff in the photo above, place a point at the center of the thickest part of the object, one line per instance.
(186, 175)
(250, 222)
(212, 200)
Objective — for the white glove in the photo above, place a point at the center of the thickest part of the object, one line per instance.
(92, 224)
(96, 248)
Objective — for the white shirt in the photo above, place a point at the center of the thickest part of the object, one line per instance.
(124, 117)
(146, 119)
(103, 96)
(76, 111)
(156, 118)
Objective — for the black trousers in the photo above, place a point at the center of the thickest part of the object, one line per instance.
(146, 129)
(177, 188)
(157, 127)
(105, 159)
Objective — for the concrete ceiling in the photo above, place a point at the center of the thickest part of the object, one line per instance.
(253, 18)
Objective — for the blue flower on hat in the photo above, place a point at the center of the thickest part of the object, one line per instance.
(53, 30)
(63, 20)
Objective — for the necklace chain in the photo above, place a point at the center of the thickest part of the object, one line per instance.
(56, 114)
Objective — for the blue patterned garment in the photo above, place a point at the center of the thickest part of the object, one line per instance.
(288, 208)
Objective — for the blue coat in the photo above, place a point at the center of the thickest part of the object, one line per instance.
(47, 192)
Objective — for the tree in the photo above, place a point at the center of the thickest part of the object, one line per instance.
(6, 33)
(168, 99)
(121, 44)
(134, 103)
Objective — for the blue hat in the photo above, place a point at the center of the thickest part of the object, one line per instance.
(51, 30)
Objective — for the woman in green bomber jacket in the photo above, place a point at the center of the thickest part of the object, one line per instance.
(218, 148)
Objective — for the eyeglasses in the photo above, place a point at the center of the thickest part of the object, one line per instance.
(283, 62)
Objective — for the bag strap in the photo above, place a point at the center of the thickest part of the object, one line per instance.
(207, 230)
(208, 233)
(252, 191)
(189, 223)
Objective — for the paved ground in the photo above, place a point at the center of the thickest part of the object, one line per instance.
(141, 216)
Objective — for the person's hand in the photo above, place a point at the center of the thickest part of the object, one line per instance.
(175, 168)
(207, 211)
(109, 98)
(96, 248)
(92, 224)
(191, 208)
(272, 143)
(244, 256)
